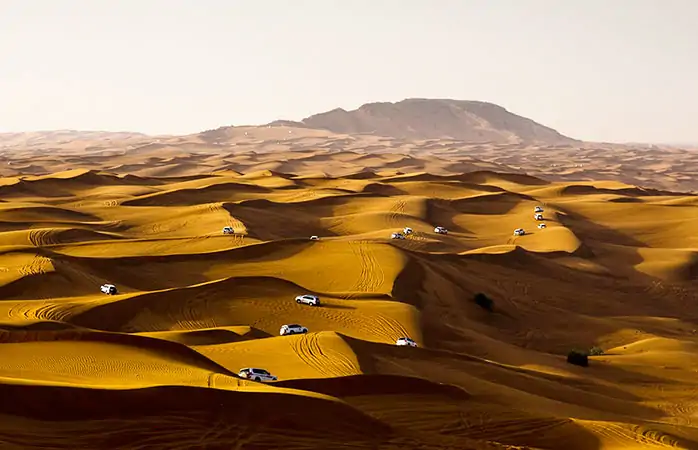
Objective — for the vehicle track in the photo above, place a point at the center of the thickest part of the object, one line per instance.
(43, 310)
(504, 430)
(684, 411)
(622, 435)
(371, 277)
(36, 266)
(195, 313)
(396, 212)
(328, 363)
(386, 327)
(42, 236)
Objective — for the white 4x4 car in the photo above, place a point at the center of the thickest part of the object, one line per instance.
(440, 230)
(407, 230)
(538, 216)
(256, 374)
(228, 230)
(406, 341)
(538, 209)
(108, 289)
(312, 300)
(519, 232)
(292, 329)
(397, 236)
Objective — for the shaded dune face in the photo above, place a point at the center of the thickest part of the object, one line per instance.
(156, 365)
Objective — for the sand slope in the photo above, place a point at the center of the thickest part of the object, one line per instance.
(155, 366)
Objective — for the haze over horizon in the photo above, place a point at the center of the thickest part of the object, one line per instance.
(591, 70)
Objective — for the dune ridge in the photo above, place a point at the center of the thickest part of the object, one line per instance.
(156, 364)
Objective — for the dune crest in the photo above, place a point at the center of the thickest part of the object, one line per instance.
(494, 313)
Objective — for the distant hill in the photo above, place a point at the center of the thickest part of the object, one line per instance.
(419, 118)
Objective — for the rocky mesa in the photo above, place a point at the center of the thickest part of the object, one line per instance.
(421, 118)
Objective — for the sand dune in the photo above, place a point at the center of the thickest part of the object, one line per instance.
(155, 366)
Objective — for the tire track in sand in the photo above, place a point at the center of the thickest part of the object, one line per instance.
(42, 236)
(623, 435)
(395, 212)
(44, 310)
(328, 362)
(371, 275)
(37, 266)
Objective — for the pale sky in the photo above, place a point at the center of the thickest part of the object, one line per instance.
(605, 70)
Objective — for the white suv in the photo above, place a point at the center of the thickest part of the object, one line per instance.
(312, 300)
(397, 236)
(538, 216)
(541, 225)
(292, 329)
(519, 232)
(538, 209)
(440, 230)
(228, 230)
(108, 289)
(406, 341)
(256, 374)
(407, 230)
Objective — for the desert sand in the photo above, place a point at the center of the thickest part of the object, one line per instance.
(155, 366)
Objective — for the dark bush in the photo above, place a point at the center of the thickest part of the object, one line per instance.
(578, 358)
(484, 301)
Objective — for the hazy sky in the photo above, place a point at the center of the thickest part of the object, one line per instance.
(614, 70)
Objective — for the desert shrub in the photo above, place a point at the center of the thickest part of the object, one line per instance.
(578, 358)
(484, 301)
(595, 351)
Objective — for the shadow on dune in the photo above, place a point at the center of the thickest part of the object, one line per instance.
(588, 397)
(172, 349)
(499, 203)
(440, 213)
(206, 305)
(221, 192)
(213, 336)
(609, 247)
(176, 416)
(82, 275)
(292, 220)
(356, 385)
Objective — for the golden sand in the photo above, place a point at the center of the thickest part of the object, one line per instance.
(156, 365)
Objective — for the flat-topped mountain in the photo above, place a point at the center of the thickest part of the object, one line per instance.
(419, 118)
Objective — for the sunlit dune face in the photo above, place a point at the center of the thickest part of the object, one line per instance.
(444, 316)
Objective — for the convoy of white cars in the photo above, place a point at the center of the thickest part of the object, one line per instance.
(262, 375)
